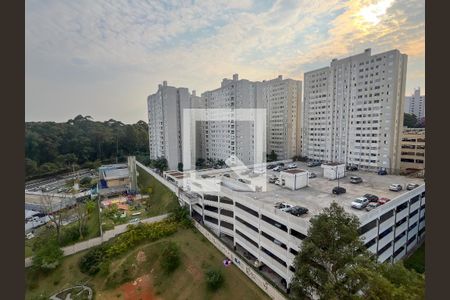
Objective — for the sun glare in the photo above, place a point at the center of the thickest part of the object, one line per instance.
(373, 13)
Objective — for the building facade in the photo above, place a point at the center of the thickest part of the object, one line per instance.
(165, 120)
(415, 104)
(413, 149)
(282, 98)
(353, 110)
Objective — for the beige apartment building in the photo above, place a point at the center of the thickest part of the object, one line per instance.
(413, 149)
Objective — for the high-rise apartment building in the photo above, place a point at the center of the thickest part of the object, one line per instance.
(230, 138)
(233, 138)
(415, 104)
(165, 120)
(282, 98)
(353, 110)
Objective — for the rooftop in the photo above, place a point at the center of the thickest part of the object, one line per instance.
(318, 194)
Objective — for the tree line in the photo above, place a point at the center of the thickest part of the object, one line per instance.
(52, 147)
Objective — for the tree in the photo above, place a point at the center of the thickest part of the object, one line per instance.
(83, 210)
(200, 162)
(55, 208)
(180, 166)
(410, 120)
(272, 156)
(48, 256)
(331, 257)
(86, 181)
(392, 281)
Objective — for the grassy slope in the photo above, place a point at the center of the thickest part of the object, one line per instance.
(417, 260)
(187, 282)
(163, 200)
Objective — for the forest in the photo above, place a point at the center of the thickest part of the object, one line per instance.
(52, 148)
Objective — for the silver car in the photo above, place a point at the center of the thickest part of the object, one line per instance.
(360, 203)
(395, 187)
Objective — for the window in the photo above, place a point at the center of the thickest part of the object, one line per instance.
(297, 234)
(411, 239)
(211, 208)
(398, 251)
(247, 238)
(382, 250)
(293, 251)
(211, 220)
(279, 260)
(247, 224)
(211, 197)
(400, 236)
(249, 210)
(367, 227)
(401, 207)
(415, 199)
(274, 223)
(275, 241)
(400, 222)
(414, 213)
(385, 233)
(226, 225)
(386, 216)
(226, 200)
(371, 243)
(226, 212)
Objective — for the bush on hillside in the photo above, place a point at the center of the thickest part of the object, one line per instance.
(91, 262)
(214, 279)
(170, 258)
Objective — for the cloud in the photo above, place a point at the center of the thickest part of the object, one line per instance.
(196, 43)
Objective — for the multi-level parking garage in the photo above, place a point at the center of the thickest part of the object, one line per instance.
(270, 238)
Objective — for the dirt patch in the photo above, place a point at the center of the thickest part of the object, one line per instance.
(141, 257)
(139, 289)
(195, 272)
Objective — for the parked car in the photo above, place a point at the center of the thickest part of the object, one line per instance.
(297, 211)
(278, 168)
(395, 187)
(337, 190)
(383, 200)
(382, 172)
(283, 206)
(360, 203)
(314, 164)
(411, 186)
(352, 168)
(242, 180)
(292, 166)
(280, 164)
(227, 175)
(372, 205)
(312, 175)
(269, 167)
(355, 179)
(372, 198)
(135, 220)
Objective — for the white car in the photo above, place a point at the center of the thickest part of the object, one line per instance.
(360, 203)
(395, 187)
(283, 206)
(292, 166)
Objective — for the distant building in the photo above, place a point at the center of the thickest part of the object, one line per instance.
(415, 104)
(413, 149)
(114, 179)
(353, 110)
(165, 120)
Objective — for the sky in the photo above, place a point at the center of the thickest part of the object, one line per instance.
(103, 58)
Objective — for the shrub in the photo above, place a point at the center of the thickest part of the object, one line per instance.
(181, 216)
(138, 233)
(71, 234)
(170, 258)
(91, 262)
(48, 256)
(214, 279)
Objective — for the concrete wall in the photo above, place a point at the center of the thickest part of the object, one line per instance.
(242, 265)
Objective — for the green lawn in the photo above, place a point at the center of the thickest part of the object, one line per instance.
(162, 200)
(417, 260)
(187, 282)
